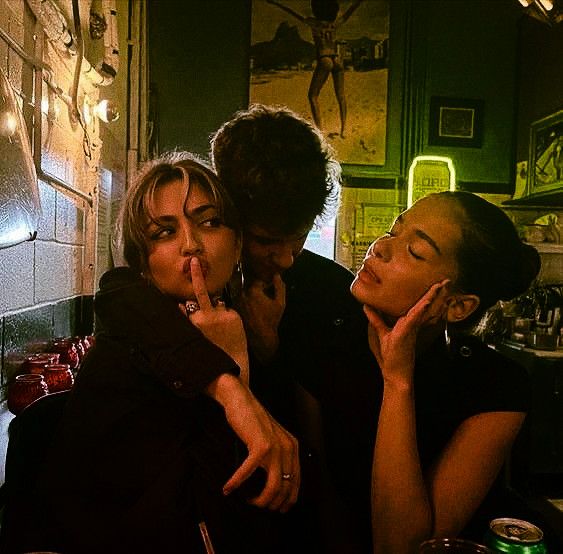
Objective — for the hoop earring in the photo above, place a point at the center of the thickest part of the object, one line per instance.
(235, 284)
(447, 337)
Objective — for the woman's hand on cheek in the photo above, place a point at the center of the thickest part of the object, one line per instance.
(395, 347)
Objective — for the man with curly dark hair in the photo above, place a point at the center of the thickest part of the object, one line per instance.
(303, 326)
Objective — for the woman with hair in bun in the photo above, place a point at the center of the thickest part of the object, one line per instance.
(451, 407)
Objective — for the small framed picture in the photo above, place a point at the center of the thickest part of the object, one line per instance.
(545, 165)
(455, 122)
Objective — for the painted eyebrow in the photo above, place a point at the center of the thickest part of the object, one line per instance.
(422, 235)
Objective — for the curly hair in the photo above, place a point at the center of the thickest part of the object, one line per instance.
(277, 167)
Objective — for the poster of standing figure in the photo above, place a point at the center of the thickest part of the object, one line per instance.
(327, 60)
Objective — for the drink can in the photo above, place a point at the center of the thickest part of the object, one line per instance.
(515, 536)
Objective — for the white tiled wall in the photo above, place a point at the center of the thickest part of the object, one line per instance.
(60, 263)
(17, 277)
(42, 282)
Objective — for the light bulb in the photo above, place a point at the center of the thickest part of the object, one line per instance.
(8, 123)
(547, 4)
(107, 111)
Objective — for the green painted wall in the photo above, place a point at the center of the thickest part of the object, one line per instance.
(467, 49)
(472, 53)
(199, 67)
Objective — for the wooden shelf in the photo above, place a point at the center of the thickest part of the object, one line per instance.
(552, 199)
(547, 247)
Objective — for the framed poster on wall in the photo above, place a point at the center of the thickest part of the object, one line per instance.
(455, 122)
(331, 67)
(546, 154)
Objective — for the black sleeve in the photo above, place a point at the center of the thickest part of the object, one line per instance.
(496, 383)
(507, 387)
(131, 310)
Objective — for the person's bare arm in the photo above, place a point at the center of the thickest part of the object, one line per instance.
(286, 9)
(466, 469)
(441, 502)
(346, 15)
(269, 445)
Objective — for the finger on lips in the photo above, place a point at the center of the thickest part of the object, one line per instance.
(198, 283)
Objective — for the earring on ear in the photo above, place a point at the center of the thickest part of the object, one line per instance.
(447, 336)
(234, 286)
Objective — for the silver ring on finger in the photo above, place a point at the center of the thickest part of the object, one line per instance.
(192, 307)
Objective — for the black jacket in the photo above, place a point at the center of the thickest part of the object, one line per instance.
(140, 456)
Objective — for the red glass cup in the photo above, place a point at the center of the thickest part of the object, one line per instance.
(58, 377)
(24, 389)
(80, 348)
(67, 351)
(35, 363)
(86, 342)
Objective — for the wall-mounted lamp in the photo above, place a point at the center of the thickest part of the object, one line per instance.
(105, 110)
(546, 11)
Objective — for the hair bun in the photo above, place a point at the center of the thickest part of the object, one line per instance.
(526, 267)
